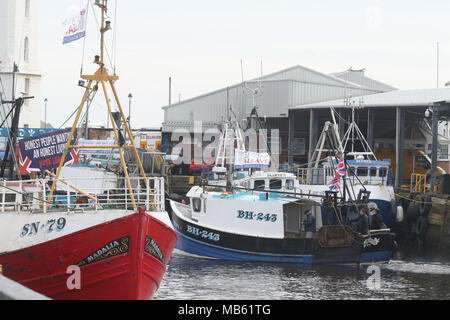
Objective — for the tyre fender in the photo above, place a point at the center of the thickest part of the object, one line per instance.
(394, 207)
(425, 205)
(422, 226)
(412, 214)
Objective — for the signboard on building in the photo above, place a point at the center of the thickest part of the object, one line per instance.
(149, 140)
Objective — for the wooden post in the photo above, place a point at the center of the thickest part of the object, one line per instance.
(434, 145)
(399, 146)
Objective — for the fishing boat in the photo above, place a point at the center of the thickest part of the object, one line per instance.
(268, 227)
(364, 170)
(259, 216)
(78, 244)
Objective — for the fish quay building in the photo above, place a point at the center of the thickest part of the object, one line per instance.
(297, 102)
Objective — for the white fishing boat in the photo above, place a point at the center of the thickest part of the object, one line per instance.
(260, 215)
(269, 227)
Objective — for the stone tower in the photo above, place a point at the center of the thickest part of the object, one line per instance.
(19, 44)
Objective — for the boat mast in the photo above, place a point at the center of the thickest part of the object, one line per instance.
(101, 76)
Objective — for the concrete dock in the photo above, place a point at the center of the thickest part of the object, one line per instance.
(11, 290)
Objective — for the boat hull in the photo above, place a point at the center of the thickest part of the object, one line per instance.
(210, 243)
(122, 259)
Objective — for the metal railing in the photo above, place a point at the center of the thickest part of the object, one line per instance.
(73, 195)
(418, 183)
(319, 176)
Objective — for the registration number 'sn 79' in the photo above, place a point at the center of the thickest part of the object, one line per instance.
(32, 229)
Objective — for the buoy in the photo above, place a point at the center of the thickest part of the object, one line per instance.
(183, 201)
(400, 216)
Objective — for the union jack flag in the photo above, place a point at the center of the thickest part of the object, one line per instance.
(340, 172)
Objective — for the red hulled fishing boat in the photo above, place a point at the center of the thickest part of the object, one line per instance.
(68, 243)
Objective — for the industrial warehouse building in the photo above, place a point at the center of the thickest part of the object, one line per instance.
(297, 102)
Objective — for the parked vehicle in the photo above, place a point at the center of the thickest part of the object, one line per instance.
(199, 164)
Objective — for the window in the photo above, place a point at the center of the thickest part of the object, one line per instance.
(26, 50)
(362, 171)
(27, 8)
(444, 152)
(289, 184)
(382, 173)
(197, 204)
(275, 184)
(373, 172)
(260, 185)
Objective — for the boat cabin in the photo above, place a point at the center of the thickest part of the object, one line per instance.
(271, 181)
(367, 172)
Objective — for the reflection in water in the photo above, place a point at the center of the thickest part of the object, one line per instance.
(190, 278)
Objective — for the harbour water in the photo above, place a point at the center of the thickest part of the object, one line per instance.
(187, 278)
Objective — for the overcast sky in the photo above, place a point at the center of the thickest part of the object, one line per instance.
(200, 45)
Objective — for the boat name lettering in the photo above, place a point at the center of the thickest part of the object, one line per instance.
(152, 248)
(114, 248)
(203, 233)
(248, 215)
(371, 242)
(32, 229)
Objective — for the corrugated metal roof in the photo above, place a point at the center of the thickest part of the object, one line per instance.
(301, 74)
(398, 98)
(359, 77)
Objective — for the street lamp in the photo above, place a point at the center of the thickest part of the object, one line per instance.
(45, 114)
(130, 96)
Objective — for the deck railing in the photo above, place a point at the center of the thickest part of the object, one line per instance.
(82, 194)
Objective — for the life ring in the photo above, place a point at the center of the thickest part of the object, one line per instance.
(422, 226)
(425, 205)
(400, 215)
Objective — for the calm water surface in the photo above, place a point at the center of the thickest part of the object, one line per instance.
(190, 278)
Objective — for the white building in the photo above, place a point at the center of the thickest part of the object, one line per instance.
(19, 21)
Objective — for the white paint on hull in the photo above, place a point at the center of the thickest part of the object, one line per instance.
(22, 230)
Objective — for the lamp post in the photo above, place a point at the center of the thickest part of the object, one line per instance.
(130, 96)
(45, 113)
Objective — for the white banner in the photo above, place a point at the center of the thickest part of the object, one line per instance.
(247, 159)
(75, 25)
(83, 142)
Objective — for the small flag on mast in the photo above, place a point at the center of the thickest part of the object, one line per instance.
(340, 172)
(75, 25)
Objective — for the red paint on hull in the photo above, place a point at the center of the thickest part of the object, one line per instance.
(128, 272)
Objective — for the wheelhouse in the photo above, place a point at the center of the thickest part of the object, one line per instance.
(267, 181)
(366, 172)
